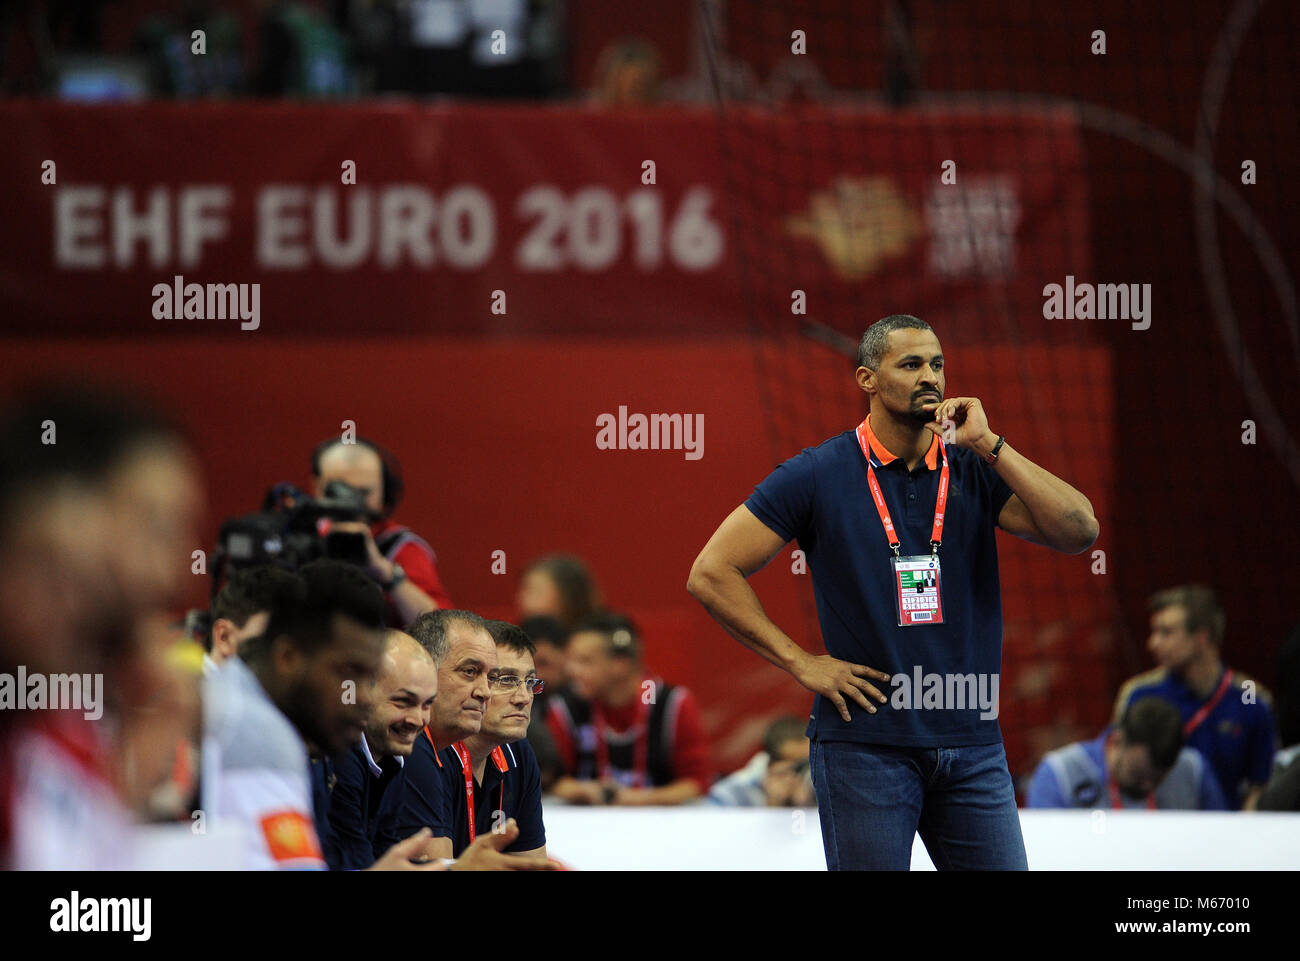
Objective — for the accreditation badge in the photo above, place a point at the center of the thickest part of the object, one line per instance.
(918, 590)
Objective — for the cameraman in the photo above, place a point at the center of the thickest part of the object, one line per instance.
(401, 562)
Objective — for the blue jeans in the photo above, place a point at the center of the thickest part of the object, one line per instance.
(873, 799)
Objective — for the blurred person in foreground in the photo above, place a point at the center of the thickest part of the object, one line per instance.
(99, 502)
(1139, 763)
(1227, 715)
(776, 776)
(400, 562)
(626, 738)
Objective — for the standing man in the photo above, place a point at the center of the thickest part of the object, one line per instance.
(875, 509)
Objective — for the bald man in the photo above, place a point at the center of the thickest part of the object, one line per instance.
(403, 696)
(401, 563)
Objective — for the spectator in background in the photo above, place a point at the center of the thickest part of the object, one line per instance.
(175, 69)
(776, 776)
(1282, 792)
(401, 562)
(625, 738)
(467, 48)
(1141, 762)
(1288, 698)
(629, 72)
(242, 609)
(302, 54)
(379, 31)
(549, 638)
(493, 774)
(1227, 716)
(403, 700)
(559, 586)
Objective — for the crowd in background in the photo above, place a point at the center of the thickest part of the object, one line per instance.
(314, 49)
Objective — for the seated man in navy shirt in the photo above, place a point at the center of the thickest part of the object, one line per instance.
(915, 490)
(1139, 763)
(466, 655)
(1227, 716)
(495, 771)
(404, 691)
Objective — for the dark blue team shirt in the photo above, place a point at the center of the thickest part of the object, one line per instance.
(356, 808)
(419, 799)
(517, 792)
(1238, 737)
(821, 499)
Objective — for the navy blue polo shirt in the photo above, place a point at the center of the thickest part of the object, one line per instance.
(419, 799)
(356, 805)
(821, 499)
(517, 792)
(1237, 737)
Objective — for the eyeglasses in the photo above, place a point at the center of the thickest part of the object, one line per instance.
(509, 683)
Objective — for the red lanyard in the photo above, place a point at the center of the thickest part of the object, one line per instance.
(936, 530)
(500, 760)
(1117, 804)
(640, 749)
(1195, 720)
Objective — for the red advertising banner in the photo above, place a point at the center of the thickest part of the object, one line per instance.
(299, 219)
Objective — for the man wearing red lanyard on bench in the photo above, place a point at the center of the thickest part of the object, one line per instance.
(1227, 716)
(624, 738)
(1139, 763)
(494, 773)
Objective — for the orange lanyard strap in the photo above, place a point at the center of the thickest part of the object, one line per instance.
(936, 529)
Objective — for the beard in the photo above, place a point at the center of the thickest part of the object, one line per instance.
(918, 416)
(302, 707)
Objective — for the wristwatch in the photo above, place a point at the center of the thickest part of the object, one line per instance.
(399, 575)
(992, 456)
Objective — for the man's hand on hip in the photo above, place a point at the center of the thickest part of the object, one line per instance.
(833, 679)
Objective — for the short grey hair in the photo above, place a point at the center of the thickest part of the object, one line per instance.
(875, 342)
(433, 630)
